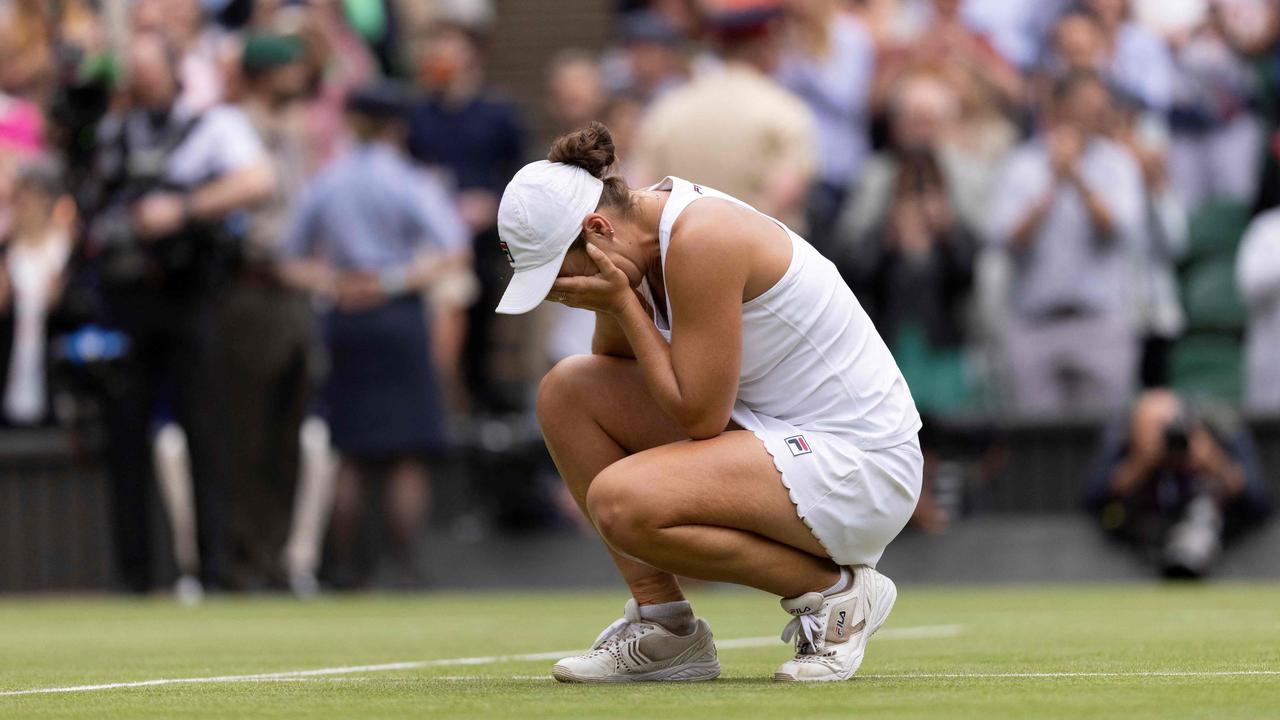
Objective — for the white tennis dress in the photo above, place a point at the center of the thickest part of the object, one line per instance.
(820, 389)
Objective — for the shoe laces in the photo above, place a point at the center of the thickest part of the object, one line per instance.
(620, 631)
(807, 630)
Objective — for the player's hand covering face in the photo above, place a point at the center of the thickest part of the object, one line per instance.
(608, 290)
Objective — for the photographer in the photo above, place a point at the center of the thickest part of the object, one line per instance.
(169, 179)
(908, 251)
(1175, 480)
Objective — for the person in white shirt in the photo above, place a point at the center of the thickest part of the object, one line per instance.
(1258, 275)
(739, 420)
(35, 256)
(1066, 210)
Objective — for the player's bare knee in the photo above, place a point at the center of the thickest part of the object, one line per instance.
(560, 392)
(624, 515)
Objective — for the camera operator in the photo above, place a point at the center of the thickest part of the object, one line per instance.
(1175, 480)
(169, 179)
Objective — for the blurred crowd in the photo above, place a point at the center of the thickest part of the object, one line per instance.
(253, 242)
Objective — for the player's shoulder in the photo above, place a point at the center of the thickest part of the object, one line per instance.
(709, 217)
(709, 230)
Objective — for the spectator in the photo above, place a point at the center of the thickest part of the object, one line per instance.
(170, 176)
(25, 66)
(26, 54)
(828, 63)
(87, 74)
(35, 256)
(892, 23)
(465, 127)
(650, 63)
(1161, 243)
(1176, 480)
(337, 62)
(464, 124)
(909, 255)
(1139, 61)
(200, 47)
(733, 127)
(1081, 43)
(372, 233)
(575, 90)
(911, 261)
(948, 46)
(266, 326)
(924, 115)
(683, 15)
(1258, 275)
(1217, 138)
(1017, 28)
(1066, 209)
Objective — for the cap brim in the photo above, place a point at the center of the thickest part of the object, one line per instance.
(529, 288)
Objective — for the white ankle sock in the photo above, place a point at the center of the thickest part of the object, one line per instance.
(842, 585)
(675, 616)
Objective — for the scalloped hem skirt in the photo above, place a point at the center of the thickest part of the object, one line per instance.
(855, 501)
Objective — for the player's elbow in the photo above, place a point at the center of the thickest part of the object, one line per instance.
(703, 432)
(704, 426)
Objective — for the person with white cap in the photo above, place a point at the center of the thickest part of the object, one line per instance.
(739, 419)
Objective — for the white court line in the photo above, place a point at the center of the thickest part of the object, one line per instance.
(1086, 674)
(964, 676)
(909, 633)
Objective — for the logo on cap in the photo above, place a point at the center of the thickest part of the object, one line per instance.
(507, 251)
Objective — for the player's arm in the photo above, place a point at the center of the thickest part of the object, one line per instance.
(695, 378)
(609, 339)
(706, 278)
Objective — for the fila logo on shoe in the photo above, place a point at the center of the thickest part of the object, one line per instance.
(840, 623)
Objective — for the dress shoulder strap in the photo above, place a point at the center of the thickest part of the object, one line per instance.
(683, 193)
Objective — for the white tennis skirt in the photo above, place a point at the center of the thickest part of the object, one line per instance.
(855, 501)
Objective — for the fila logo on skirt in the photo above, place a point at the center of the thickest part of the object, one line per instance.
(798, 445)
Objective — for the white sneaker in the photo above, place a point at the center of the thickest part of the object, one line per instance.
(831, 633)
(188, 591)
(635, 650)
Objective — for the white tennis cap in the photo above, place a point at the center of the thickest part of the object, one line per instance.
(539, 217)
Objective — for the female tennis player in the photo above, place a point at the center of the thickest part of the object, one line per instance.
(738, 420)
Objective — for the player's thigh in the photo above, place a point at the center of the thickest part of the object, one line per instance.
(727, 481)
(608, 392)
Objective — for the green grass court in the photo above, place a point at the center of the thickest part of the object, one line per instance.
(1058, 652)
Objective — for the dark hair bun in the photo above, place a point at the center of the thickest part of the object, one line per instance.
(590, 148)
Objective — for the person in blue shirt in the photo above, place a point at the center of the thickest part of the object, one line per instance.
(370, 234)
(460, 125)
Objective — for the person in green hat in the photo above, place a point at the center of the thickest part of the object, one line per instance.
(267, 326)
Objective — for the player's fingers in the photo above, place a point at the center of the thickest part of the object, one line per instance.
(567, 284)
(601, 259)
